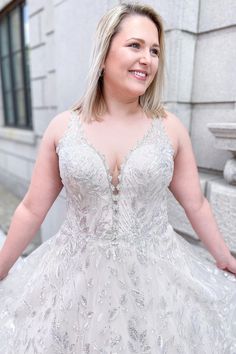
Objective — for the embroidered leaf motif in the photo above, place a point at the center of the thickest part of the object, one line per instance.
(113, 313)
(83, 300)
(133, 333)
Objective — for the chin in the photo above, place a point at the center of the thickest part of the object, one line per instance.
(136, 92)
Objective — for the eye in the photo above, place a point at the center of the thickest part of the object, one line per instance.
(156, 52)
(134, 45)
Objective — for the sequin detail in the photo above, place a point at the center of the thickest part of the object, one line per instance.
(116, 278)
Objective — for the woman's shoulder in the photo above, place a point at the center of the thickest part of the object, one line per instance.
(175, 125)
(173, 121)
(61, 118)
(174, 129)
(59, 124)
(177, 130)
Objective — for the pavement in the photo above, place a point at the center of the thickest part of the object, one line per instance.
(8, 204)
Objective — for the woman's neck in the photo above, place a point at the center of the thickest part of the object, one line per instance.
(122, 109)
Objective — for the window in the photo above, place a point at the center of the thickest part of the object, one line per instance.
(14, 65)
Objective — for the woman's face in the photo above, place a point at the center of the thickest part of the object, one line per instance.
(132, 60)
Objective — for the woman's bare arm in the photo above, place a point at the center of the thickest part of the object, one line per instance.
(44, 188)
(186, 188)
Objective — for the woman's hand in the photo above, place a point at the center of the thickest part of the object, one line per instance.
(228, 264)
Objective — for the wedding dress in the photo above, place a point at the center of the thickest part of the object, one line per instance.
(116, 278)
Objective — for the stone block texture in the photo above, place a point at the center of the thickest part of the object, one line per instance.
(222, 198)
(203, 141)
(215, 74)
(180, 49)
(215, 14)
(178, 14)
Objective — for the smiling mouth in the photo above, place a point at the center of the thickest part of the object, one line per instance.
(141, 75)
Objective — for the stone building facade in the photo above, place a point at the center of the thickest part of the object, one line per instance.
(201, 90)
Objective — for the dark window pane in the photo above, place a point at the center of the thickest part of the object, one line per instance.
(18, 70)
(4, 38)
(6, 72)
(20, 106)
(15, 29)
(14, 65)
(9, 108)
(29, 104)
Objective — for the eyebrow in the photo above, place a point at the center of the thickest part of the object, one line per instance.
(142, 41)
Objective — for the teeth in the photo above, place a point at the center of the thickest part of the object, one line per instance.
(138, 73)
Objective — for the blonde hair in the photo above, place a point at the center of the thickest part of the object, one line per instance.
(92, 104)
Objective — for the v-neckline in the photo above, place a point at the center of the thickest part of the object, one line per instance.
(102, 156)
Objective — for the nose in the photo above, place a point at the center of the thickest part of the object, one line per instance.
(145, 57)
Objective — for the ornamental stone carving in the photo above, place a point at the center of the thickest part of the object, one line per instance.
(225, 139)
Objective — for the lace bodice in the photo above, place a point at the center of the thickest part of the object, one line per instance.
(133, 211)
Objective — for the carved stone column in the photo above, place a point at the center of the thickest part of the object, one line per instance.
(225, 139)
(222, 193)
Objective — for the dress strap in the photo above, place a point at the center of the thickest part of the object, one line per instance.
(71, 130)
(165, 136)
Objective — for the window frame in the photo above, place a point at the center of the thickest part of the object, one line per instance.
(5, 13)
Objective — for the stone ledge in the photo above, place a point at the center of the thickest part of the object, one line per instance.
(15, 134)
(225, 135)
(225, 139)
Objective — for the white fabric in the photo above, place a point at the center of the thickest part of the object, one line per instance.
(116, 278)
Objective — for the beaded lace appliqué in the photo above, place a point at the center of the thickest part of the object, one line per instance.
(116, 278)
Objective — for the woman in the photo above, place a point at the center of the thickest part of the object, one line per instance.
(116, 278)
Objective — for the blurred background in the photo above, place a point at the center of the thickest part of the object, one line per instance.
(44, 55)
